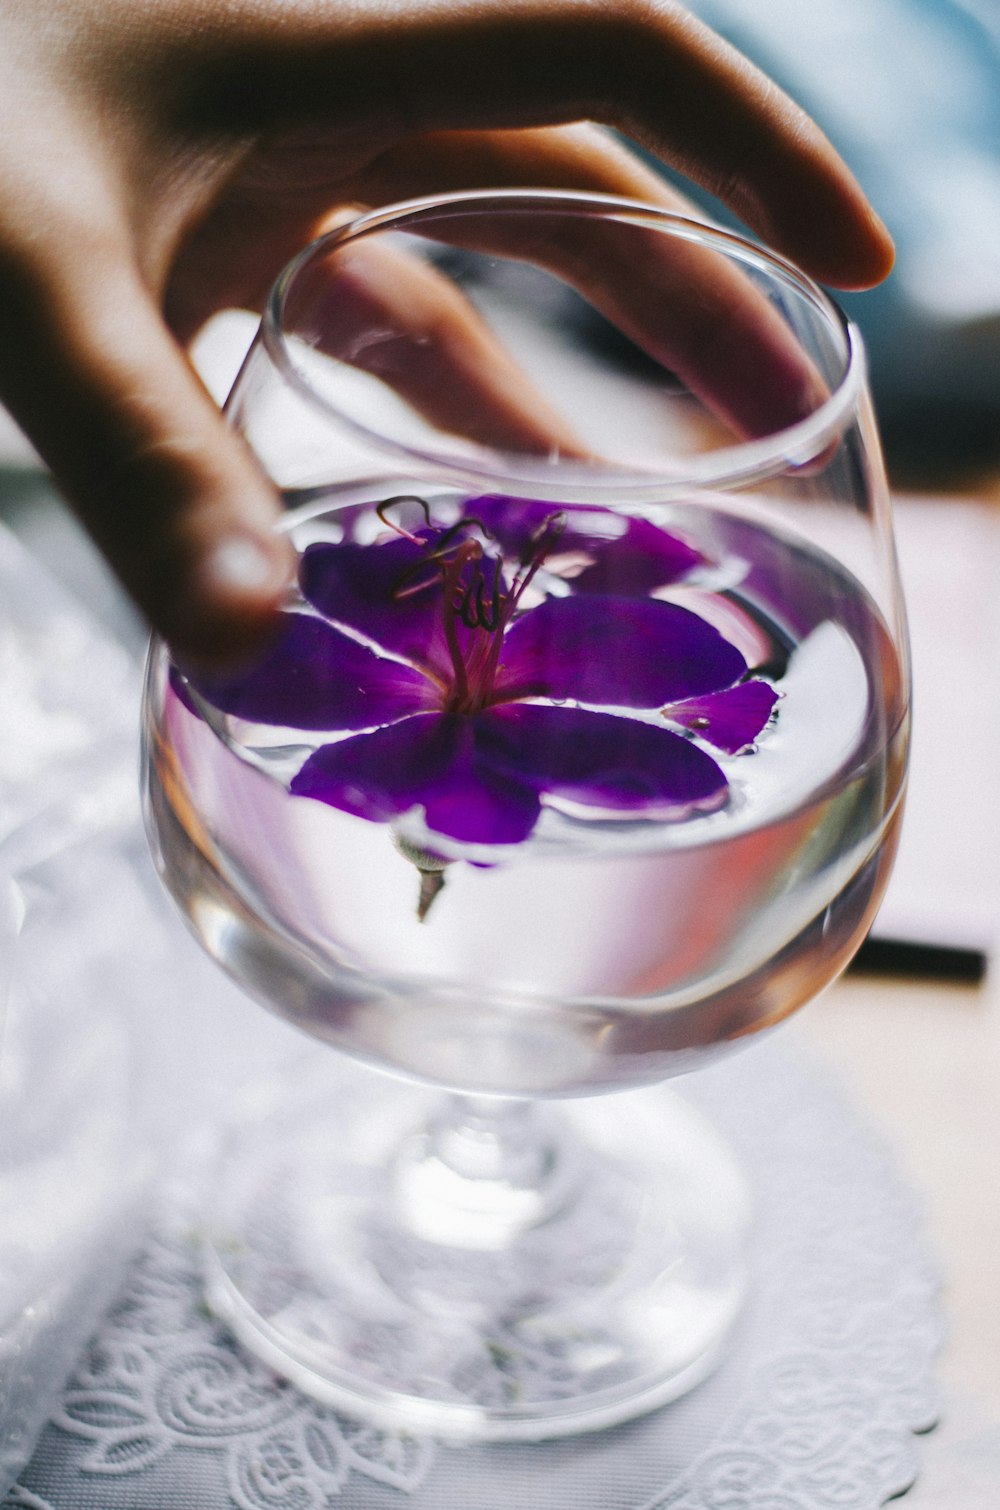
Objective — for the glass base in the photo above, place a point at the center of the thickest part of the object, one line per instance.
(476, 1270)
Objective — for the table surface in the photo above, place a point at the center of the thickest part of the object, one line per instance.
(923, 1057)
(924, 1060)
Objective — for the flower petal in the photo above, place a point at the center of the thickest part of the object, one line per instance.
(480, 806)
(625, 555)
(729, 720)
(393, 593)
(314, 677)
(621, 652)
(428, 761)
(599, 759)
(645, 557)
(384, 773)
(512, 522)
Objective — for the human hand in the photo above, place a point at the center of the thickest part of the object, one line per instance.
(163, 161)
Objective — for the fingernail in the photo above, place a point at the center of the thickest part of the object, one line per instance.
(241, 566)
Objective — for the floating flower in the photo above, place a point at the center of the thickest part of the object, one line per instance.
(456, 688)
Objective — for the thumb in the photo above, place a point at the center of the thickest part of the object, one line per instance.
(174, 500)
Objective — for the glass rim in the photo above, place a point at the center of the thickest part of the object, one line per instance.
(791, 447)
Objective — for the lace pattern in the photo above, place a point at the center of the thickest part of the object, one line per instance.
(829, 1376)
(162, 1378)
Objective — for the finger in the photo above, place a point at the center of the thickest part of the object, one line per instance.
(282, 202)
(580, 156)
(176, 503)
(648, 68)
(689, 308)
(461, 379)
(391, 315)
(687, 305)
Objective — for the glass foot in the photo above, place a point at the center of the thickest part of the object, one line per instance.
(476, 1270)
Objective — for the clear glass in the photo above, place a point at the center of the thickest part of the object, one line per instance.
(579, 759)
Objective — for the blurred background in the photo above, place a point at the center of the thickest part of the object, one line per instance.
(909, 93)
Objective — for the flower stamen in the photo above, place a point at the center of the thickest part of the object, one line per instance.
(400, 529)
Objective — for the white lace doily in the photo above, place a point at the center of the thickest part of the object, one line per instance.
(828, 1377)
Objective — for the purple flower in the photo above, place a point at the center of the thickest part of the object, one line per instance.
(462, 691)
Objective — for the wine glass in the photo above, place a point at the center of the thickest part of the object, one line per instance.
(577, 760)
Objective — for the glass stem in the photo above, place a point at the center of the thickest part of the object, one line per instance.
(482, 1170)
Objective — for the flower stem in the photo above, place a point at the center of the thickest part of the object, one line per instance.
(429, 867)
(431, 884)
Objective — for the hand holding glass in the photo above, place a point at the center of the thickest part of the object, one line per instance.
(577, 759)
